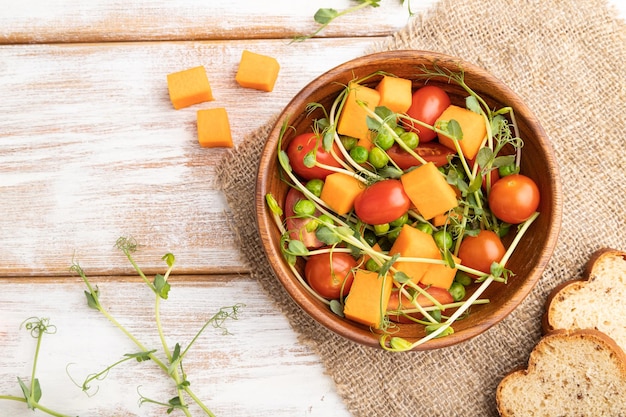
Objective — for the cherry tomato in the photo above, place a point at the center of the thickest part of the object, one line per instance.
(300, 146)
(431, 151)
(480, 251)
(326, 273)
(440, 294)
(296, 225)
(427, 105)
(382, 202)
(514, 198)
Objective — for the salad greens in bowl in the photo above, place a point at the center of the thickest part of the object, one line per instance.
(408, 200)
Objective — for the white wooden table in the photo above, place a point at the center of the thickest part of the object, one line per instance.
(91, 149)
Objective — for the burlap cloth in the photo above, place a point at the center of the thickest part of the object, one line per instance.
(567, 60)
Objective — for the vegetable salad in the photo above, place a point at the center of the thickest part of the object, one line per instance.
(399, 202)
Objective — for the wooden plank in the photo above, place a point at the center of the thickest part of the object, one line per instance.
(91, 149)
(43, 21)
(258, 369)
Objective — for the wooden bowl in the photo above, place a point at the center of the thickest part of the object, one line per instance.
(538, 162)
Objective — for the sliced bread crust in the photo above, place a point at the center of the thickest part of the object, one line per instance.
(594, 301)
(570, 373)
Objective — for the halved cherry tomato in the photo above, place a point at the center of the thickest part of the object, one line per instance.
(431, 151)
(300, 146)
(297, 225)
(399, 301)
(427, 105)
(480, 251)
(382, 202)
(326, 273)
(514, 198)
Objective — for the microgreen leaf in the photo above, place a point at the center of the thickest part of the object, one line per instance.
(345, 232)
(387, 265)
(475, 184)
(325, 235)
(447, 255)
(325, 15)
(504, 160)
(500, 272)
(496, 122)
(453, 178)
(37, 390)
(454, 130)
(176, 358)
(436, 314)
(390, 172)
(297, 248)
(387, 116)
(273, 204)
(484, 156)
(322, 124)
(284, 242)
(283, 159)
(32, 398)
(26, 392)
(435, 326)
(161, 286)
(472, 104)
(336, 307)
(140, 356)
(309, 159)
(328, 139)
(169, 259)
(92, 301)
(401, 278)
(400, 344)
(175, 403)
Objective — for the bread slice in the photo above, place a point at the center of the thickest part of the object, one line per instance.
(596, 301)
(570, 373)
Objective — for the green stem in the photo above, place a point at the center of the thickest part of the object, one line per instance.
(49, 411)
(183, 403)
(198, 401)
(33, 371)
(136, 267)
(12, 398)
(136, 341)
(157, 317)
(34, 404)
(93, 377)
(105, 313)
(325, 25)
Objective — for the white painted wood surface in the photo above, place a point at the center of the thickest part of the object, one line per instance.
(91, 149)
(259, 369)
(106, 20)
